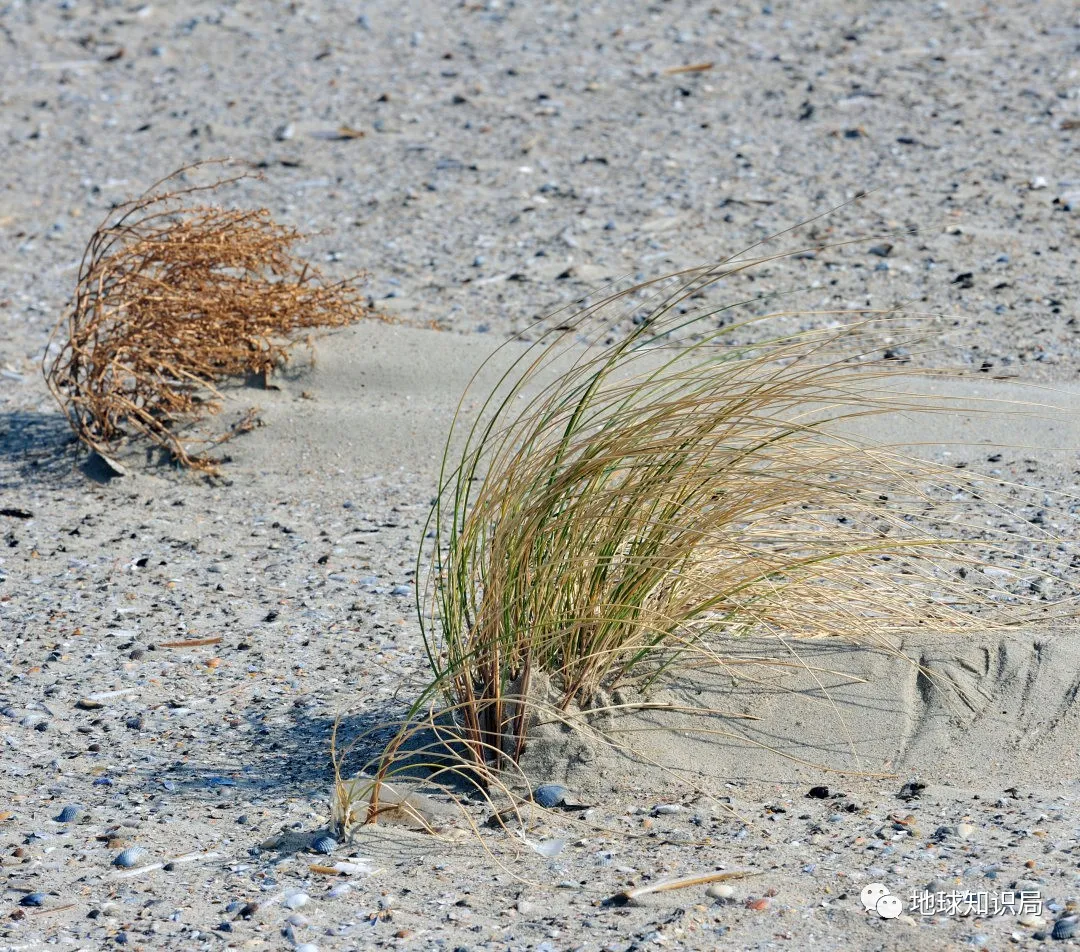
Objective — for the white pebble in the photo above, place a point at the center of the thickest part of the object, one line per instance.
(720, 891)
(307, 947)
(1031, 920)
(964, 830)
(335, 892)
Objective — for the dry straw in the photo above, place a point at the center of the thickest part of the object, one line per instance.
(629, 503)
(173, 296)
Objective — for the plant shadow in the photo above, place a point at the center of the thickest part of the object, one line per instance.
(35, 444)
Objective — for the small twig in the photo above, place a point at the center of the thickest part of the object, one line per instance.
(193, 643)
(691, 68)
(682, 882)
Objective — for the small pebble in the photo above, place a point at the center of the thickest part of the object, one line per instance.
(299, 920)
(33, 899)
(336, 892)
(307, 947)
(1031, 920)
(129, 857)
(666, 809)
(964, 830)
(720, 891)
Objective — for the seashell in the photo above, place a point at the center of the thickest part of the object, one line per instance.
(296, 901)
(336, 892)
(352, 869)
(307, 947)
(67, 814)
(549, 795)
(1066, 928)
(547, 848)
(129, 857)
(324, 844)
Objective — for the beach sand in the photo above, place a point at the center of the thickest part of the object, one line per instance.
(175, 650)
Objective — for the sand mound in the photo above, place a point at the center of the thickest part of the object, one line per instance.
(997, 710)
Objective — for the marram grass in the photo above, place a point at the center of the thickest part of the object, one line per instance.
(621, 509)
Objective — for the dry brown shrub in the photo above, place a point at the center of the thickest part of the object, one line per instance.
(173, 296)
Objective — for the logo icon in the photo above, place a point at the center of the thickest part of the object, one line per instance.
(877, 898)
(889, 907)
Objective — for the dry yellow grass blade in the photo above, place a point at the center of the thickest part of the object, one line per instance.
(174, 295)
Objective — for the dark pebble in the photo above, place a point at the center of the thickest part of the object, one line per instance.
(33, 899)
(911, 790)
(818, 793)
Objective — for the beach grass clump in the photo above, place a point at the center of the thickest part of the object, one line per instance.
(640, 492)
(619, 509)
(173, 296)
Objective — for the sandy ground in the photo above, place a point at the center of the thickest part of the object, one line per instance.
(513, 156)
